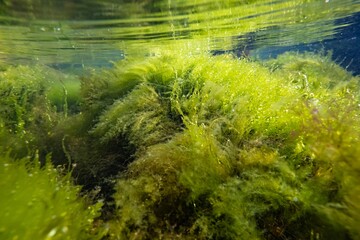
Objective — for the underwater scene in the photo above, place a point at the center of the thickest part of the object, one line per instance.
(180, 119)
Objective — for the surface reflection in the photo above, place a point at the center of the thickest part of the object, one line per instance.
(94, 33)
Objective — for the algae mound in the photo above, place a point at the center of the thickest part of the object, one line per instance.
(204, 147)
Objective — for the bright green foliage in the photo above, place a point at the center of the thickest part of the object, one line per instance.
(31, 98)
(309, 71)
(260, 151)
(140, 115)
(204, 147)
(21, 88)
(39, 203)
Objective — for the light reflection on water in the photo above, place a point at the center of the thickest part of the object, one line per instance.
(94, 33)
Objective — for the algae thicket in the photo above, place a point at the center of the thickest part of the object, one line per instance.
(190, 147)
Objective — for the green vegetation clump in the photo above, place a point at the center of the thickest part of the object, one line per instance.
(250, 156)
(33, 101)
(205, 147)
(42, 203)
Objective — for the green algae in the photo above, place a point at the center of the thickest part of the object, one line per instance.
(243, 141)
(33, 100)
(42, 203)
(204, 147)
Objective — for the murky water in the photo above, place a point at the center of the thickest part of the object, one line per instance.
(79, 34)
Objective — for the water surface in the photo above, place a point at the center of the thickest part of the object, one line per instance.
(80, 34)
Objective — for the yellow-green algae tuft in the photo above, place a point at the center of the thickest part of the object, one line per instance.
(261, 150)
(42, 203)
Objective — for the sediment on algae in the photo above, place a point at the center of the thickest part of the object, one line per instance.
(204, 147)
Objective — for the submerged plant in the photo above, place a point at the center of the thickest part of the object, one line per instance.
(41, 203)
(204, 147)
(241, 162)
(33, 100)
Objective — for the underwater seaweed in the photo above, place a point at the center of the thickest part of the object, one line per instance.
(207, 147)
(31, 105)
(42, 203)
(243, 163)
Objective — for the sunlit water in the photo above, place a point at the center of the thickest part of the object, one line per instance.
(76, 35)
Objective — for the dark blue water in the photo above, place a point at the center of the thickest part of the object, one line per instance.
(344, 46)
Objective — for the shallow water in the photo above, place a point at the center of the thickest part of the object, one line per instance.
(181, 145)
(73, 35)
